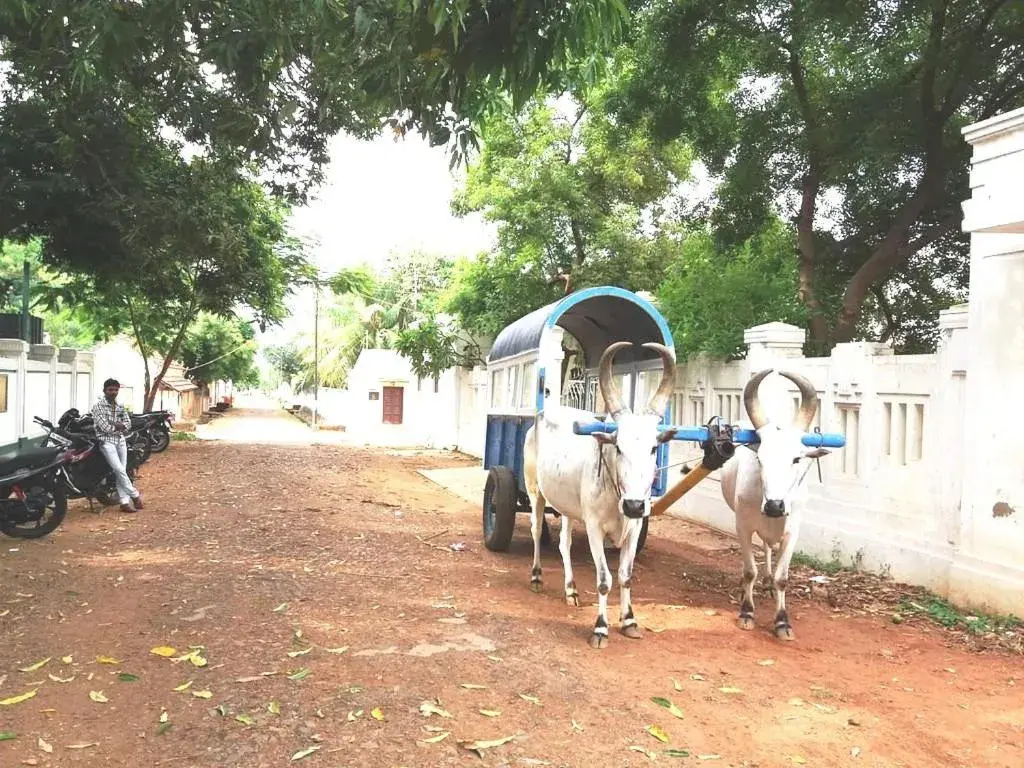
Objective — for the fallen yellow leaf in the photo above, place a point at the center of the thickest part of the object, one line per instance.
(342, 649)
(644, 751)
(672, 708)
(197, 660)
(531, 699)
(183, 687)
(490, 712)
(163, 716)
(163, 650)
(474, 687)
(353, 716)
(98, 697)
(66, 659)
(86, 745)
(107, 660)
(245, 719)
(61, 679)
(798, 759)
(203, 694)
(428, 708)
(376, 714)
(293, 654)
(48, 748)
(676, 684)
(274, 708)
(479, 746)
(658, 733)
(709, 757)
(730, 689)
(304, 753)
(38, 665)
(435, 739)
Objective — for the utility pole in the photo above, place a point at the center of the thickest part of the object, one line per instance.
(26, 274)
(316, 349)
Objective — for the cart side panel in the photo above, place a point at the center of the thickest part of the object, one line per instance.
(506, 434)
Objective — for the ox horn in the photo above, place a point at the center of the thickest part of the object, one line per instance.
(659, 401)
(609, 389)
(808, 400)
(752, 402)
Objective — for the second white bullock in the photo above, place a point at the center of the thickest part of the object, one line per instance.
(763, 484)
(603, 481)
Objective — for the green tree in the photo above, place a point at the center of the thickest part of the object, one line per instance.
(711, 294)
(220, 349)
(286, 360)
(289, 75)
(221, 249)
(574, 195)
(845, 117)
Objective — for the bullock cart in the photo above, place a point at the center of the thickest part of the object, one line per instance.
(551, 356)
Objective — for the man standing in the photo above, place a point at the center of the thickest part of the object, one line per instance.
(111, 421)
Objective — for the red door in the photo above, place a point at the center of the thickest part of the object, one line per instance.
(393, 405)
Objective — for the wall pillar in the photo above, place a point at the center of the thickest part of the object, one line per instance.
(779, 346)
(45, 353)
(989, 571)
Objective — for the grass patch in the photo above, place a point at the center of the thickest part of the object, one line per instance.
(831, 567)
(185, 437)
(943, 612)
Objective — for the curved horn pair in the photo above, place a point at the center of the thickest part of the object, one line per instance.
(808, 399)
(613, 396)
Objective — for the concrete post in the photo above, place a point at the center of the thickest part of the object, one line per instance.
(988, 570)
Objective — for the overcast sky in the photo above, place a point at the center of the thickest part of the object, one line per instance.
(382, 196)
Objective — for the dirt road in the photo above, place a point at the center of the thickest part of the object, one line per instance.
(318, 589)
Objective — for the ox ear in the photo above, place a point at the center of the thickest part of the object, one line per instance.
(816, 453)
(605, 438)
(666, 435)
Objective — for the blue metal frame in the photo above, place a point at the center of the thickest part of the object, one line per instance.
(741, 436)
(503, 443)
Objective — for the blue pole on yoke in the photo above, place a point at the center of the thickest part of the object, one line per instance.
(701, 434)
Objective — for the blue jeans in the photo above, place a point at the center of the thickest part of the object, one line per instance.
(116, 454)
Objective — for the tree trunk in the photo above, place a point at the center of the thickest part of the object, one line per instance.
(172, 352)
(894, 249)
(819, 340)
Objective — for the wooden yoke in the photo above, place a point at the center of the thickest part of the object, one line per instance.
(718, 449)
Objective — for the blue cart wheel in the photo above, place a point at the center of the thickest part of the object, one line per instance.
(499, 509)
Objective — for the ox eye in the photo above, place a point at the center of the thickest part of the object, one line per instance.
(654, 450)
(796, 460)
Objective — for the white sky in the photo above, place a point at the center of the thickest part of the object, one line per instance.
(379, 197)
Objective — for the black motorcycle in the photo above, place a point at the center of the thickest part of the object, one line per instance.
(87, 474)
(33, 501)
(155, 426)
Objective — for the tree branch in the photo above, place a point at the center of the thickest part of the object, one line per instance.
(886, 310)
(960, 85)
(931, 59)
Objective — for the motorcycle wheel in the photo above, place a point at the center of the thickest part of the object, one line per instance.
(159, 440)
(56, 507)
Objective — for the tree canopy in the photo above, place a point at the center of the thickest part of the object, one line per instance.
(843, 118)
(219, 349)
(574, 196)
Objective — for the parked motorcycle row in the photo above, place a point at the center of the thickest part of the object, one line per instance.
(37, 477)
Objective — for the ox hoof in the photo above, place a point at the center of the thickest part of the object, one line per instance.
(573, 599)
(746, 622)
(632, 632)
(537, 586)
(785, 633)
(598, 641)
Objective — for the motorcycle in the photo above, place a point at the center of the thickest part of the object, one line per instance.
(33, 501)
(139, 437)
(156, 425)
(87, 474)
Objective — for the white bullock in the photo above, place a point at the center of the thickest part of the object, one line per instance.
(603, 480)
(763, 484)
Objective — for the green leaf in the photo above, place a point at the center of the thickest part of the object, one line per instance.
(8, 735)
(299, 674)
(127, 677)
(672, 708)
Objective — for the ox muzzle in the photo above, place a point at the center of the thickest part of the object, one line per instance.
(774, 508)
(634, 509)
